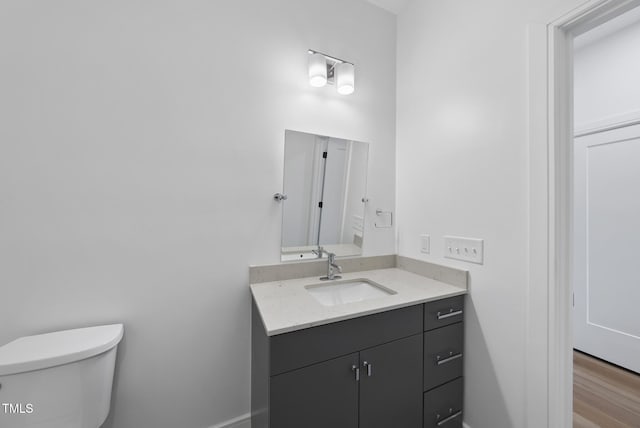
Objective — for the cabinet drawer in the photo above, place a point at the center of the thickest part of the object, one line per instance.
(443, 355)
(443, 406)
(443, 312)
(301, 348)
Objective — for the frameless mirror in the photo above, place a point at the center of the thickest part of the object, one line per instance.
(325, 180)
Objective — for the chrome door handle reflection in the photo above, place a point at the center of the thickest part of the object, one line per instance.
(449, 314)
(448, 359)
(449, 418)
(369, 367)
(356, 369)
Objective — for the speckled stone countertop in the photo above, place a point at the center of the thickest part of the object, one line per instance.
(286, 305)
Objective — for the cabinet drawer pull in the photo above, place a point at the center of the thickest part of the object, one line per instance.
(356, 369)
(369, 367)
(449, 314)
(449, 418)
(448, 359)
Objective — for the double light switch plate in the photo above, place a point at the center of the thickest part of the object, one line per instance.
(465, 249)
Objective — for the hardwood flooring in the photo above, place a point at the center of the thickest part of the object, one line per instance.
(604, 395)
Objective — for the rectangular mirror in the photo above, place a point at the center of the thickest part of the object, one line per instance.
(325, 181)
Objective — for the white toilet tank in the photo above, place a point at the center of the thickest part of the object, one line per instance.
(58, 380)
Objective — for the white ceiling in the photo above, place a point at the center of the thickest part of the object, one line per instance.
(393, 6)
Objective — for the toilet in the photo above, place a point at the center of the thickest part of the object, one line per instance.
(58, 380)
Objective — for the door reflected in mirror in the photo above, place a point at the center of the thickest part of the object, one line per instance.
(325, 180)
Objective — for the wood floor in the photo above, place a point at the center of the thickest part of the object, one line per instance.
(604, 395)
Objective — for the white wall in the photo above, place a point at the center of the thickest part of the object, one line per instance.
(606, 74)
(141, 144)
(462, 163)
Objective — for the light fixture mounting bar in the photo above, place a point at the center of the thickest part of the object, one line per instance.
(333, 59)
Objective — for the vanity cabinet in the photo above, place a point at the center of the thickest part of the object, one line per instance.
(366, 372)
(375, 388)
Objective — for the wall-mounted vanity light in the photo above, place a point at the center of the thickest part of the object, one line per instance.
(345, 78)
(317, 70)
(325, 69)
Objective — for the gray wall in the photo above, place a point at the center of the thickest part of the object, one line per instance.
(140, 146)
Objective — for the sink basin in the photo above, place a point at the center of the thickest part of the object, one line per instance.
(348, 291)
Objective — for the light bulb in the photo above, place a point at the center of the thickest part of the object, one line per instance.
(345, 78)
(317, 70)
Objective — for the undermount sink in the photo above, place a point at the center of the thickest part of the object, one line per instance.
(347, 291)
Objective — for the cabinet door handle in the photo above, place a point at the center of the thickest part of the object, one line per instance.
(449, 418)
(356, 369)
(369, 367)
(449, 314)
(448, 359)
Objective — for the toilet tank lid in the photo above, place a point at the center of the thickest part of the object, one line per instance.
(61, 347)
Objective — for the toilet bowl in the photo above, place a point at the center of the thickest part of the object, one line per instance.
(58, 380)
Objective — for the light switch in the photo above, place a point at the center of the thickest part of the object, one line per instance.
(425, 244)
(465, 249)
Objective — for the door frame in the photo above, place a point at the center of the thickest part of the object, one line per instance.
(549, 341)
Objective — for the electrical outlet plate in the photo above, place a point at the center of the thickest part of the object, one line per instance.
(425, 244)
(465, 249)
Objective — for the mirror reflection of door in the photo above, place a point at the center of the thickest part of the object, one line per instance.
(325, 183)
(335, 176)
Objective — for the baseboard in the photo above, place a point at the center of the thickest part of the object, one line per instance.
(465, 425)
(243, 421)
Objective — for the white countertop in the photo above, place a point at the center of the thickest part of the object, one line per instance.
(287, 306)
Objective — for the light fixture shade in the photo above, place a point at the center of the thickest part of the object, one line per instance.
(345, 78)
(317, 70)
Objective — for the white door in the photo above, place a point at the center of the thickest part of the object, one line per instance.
(333, 192)
(606, 233)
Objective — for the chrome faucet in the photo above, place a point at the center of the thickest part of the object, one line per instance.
(331, 264)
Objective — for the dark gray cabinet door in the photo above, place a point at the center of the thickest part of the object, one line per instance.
(319, 396)
(391, 384)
